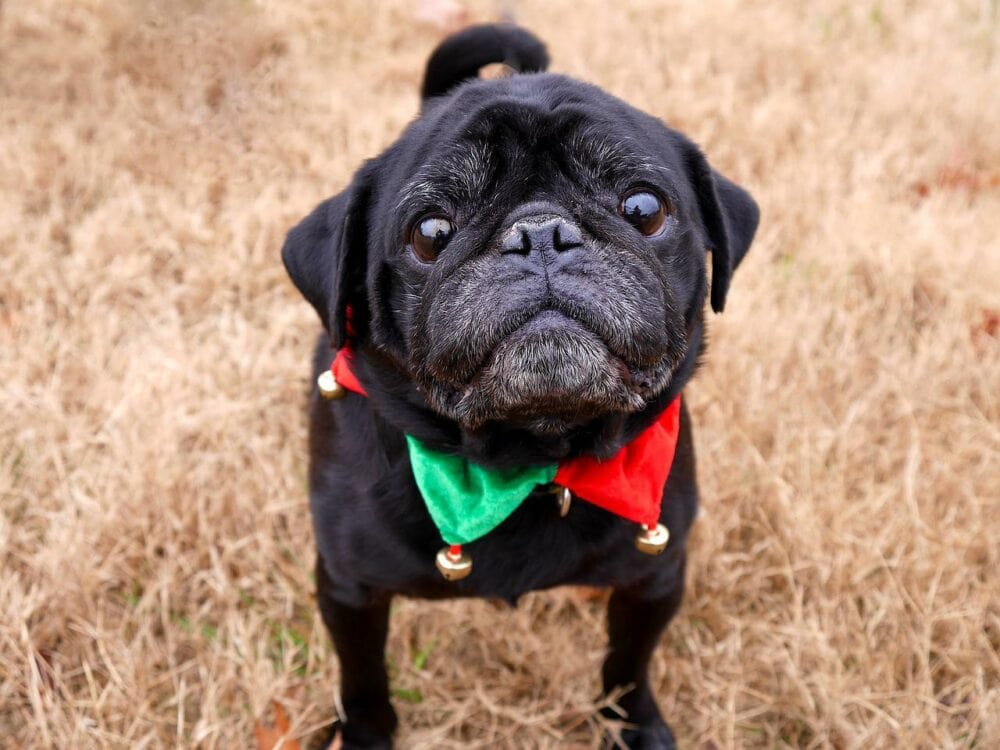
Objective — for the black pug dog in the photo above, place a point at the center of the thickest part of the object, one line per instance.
(521, 279)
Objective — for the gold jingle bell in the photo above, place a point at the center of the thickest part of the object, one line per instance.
(565, 498)
(453, 563)
(329, 388)
(652, 540)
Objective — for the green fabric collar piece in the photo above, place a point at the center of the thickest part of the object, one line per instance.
(467, 501)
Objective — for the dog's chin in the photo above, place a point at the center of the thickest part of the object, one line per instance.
(547, 377)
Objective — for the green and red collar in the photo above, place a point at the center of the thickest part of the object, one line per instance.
(467, 501)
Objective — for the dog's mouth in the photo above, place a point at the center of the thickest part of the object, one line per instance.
(549, 375)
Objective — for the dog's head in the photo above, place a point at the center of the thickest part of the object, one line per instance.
(531, 251)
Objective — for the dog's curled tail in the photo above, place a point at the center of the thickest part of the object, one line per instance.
(460, 56)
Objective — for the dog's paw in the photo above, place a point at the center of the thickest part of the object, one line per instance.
(349, 737)
(653, 736)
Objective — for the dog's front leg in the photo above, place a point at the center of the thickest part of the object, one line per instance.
(359, 635)
(635, 622)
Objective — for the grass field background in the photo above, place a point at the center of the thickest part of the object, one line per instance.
(155, 546)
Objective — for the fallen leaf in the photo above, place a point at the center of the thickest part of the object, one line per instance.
(589, 594)
(988, 324)
(279, 736)
(957, 174)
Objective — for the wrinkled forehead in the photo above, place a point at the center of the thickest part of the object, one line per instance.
(531, 142)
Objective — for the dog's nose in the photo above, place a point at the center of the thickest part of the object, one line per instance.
(540, 234)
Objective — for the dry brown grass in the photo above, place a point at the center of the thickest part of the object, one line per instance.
(155, 549)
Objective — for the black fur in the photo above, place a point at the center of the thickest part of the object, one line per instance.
(460, 56)
(548, 328)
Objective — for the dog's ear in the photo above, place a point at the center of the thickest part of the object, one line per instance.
(326, 257)
(730, 217)
(460, 56)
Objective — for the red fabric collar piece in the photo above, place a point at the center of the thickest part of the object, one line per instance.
(341, 369)
(629, 484)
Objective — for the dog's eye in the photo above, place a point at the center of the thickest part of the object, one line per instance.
(429, 236)
(644, 210)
